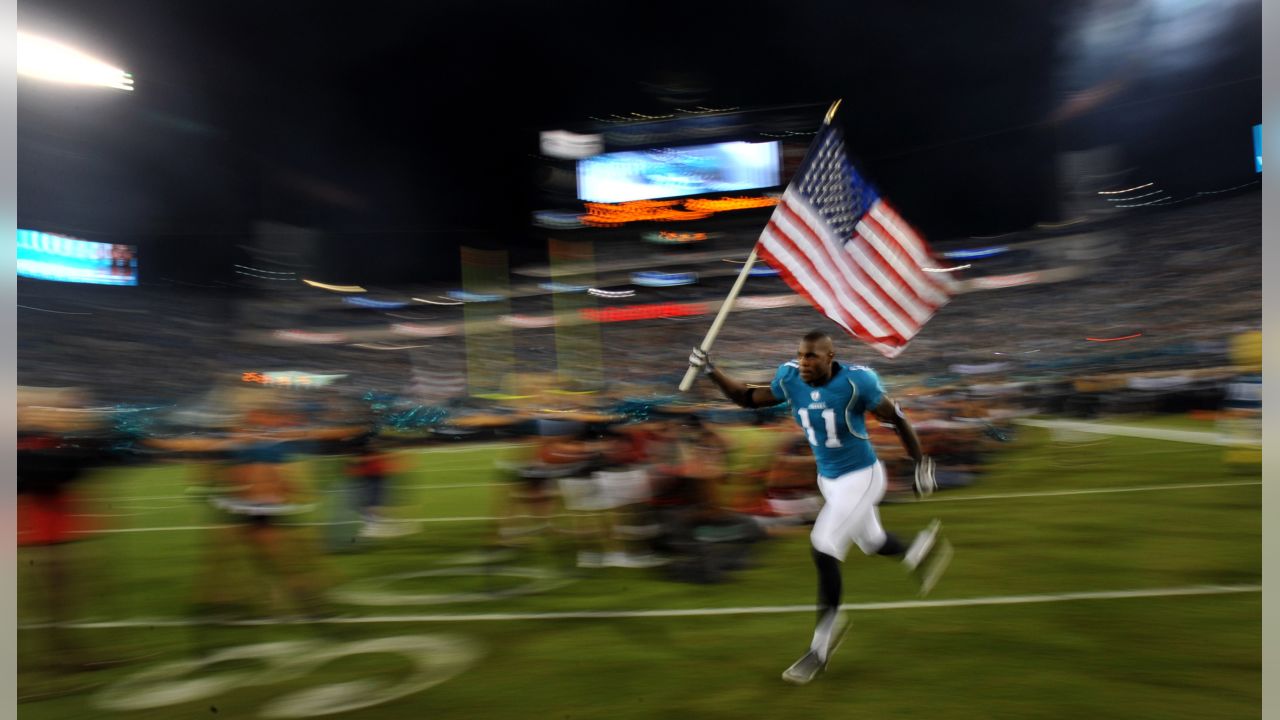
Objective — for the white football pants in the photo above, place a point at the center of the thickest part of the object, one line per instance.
(850, 514)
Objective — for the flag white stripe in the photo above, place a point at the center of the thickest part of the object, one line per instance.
(886, 217)
(787, 255)
(909, 239)
(859, 251)
(783, 253)
(802, 242)
(873, 294)
(889, 351)
(895, 255)
(852, 299)
(780, 248)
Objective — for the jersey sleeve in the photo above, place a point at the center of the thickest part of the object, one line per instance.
(870, 390)
(779, 380)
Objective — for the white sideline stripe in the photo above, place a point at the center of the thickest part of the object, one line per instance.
(1186, 436)
(493, 518)
(1096, 491)
(194, 497)
(689, 612)
(472, 518)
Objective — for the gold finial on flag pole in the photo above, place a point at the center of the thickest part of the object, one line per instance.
(832, 112)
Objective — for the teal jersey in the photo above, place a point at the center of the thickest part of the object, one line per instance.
(832, 415)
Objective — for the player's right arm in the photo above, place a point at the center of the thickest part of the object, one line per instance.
(740, 393)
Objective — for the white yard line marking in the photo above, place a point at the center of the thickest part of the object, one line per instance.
(198, 498)
(1186, 436)
(1094, 491)
(1189, 590)
(934, 499)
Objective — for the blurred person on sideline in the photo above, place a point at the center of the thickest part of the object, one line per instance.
(621, 483)
(254, 485)
(790, 488)
(525, 499)
(704, 539)
(598, 480)
(59, 440)
(829, 401)
(368, 471)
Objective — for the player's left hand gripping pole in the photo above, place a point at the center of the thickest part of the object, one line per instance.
(692, 372)
(721, 316)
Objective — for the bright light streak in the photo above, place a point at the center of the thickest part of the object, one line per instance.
(611, 293)
(262, 277)
(335, 288)
(950, 269)
(368, 346)
(1153, 202)
(265, 272)
(1121, 192)
(976, 253)
(58, 312)
(376, 304)
(306, 336)
(1237, 187)
(1068, 223)
(44, 59)
(559, 287)
(436, 302)
(1136, 197)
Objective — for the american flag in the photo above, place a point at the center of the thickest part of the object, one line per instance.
(850, 254)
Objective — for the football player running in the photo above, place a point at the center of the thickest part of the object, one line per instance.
(829, 401)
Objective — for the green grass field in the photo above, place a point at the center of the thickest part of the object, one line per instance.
(1035, 619)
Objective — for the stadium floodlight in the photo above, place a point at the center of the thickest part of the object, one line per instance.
(45, 59)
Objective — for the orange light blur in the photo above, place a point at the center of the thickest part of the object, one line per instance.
(614, 214)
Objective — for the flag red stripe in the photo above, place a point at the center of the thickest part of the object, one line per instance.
(902, 323)
(856, 330)
(859, 284)
(851, 292)
(846, 317)
(900, 274)
(790, 279)
(821, 285)
(914, 244)
(894, 284)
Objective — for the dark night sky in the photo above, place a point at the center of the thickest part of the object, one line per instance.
(406, 129)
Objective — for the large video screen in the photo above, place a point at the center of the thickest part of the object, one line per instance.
(46, 256)
(677, 171)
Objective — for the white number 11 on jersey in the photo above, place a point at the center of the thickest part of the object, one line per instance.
(829, 416)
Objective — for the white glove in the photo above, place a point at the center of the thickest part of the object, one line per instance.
(699, 359)
(925, 482)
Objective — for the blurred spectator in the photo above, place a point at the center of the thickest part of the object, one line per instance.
(60, 438)
(369, 471)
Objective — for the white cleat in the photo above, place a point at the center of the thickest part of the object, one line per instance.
(827, 638)
(922, 545)
(935, 564)
(804, 670)
(928, 557)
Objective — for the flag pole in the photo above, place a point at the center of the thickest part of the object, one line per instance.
(727, 305)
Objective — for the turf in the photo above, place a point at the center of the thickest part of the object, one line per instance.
(1152, 657)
